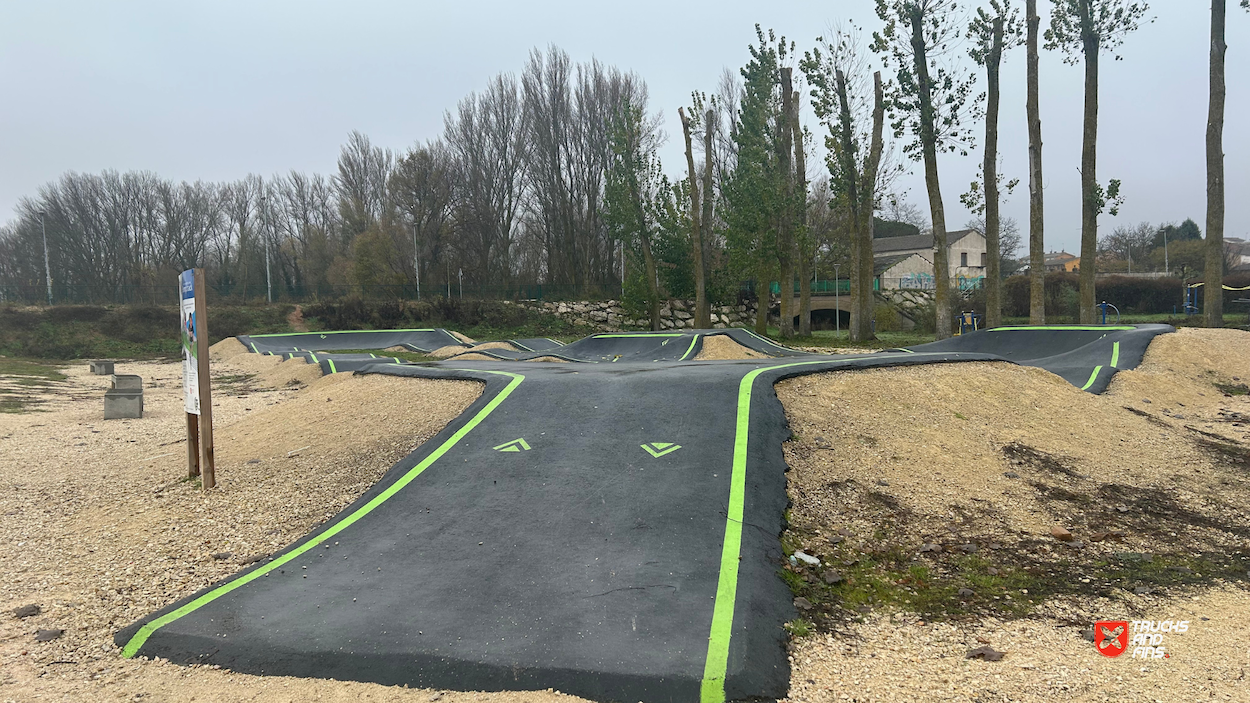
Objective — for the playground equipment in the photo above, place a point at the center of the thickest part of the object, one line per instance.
(969, 322)
(1103, 308)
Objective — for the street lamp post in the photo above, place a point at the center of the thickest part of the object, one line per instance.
(47, 267)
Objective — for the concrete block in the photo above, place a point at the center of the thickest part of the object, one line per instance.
(101, 368)
(127, 382)
(125, 403)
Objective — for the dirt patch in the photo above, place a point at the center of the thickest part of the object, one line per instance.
(227, 348)
(463, 338)
(930, 493)
(296, 320)
(101, 527)
(719, 347)
(472, 356)
(442, 352)
(295, 372)
(550, 359)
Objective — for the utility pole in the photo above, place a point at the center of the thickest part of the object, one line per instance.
(47, 267)
(1166, 270)
(461, 277)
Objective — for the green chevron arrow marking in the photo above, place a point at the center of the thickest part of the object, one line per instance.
(659, 449)
(517, 445)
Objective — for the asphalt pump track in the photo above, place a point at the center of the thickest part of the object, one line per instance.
(609, 529)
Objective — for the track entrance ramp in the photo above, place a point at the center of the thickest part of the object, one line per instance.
(608, 529)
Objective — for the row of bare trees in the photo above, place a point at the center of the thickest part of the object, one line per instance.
(511, 192)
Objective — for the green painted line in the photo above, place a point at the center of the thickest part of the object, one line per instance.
(301, 334)
(549, 339)
(332, 369)
(906, 350)
(1115, 354)
(717, 662)
(136, 642)
(313, 356)
(517, 445)
(1086, 328)
(254, 349)
(515, 343)
(645, 334)
(372, 355)
(692, 343)
(396, 358)
(659, 449)
(1092, 376)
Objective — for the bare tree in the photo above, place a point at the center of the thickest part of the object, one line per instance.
(1213, 301)
(1037, 243)
(701, 315)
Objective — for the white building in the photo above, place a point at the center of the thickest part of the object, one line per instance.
(903, 262)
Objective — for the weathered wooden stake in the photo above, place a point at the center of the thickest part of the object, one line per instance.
(193, 445)
(208, 470)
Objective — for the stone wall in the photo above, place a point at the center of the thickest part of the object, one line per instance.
(674, 314)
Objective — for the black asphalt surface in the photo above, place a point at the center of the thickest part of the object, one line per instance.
(608, 529)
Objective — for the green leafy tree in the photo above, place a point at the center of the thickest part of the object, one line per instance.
(633, 179)
(928, 104)
(753, 198)
(1082, 30)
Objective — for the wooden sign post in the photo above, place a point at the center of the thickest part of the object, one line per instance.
(197, 395)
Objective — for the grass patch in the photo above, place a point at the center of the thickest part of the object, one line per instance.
(30, 369)
(1233, 388)
(121, 331)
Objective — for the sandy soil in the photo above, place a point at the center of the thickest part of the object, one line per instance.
(98, 525)
(722, 347)
(989, 458)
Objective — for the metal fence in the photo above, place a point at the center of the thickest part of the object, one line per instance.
(69, 294)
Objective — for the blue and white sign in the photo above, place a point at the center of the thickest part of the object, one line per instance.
(190, 347)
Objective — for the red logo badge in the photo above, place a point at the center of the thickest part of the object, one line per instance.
(1111, 637)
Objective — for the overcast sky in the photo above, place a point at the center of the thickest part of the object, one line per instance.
(216, 90)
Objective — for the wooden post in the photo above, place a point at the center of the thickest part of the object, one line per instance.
(193, 445)
(208, 470)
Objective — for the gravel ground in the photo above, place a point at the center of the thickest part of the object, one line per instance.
(990, 457)
(98, 527)
(719, 346)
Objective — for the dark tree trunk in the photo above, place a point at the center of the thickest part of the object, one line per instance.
(703, 315)
(937, 211)
(1213, 296)
(1037, 246)
(993, 282)
(1089, 170)
(861, 327)
(805, 250)
(868, 199)
(696, 228)
(785, 233)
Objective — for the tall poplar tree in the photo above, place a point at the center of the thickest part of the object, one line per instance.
(1083, 29)
(927, 103)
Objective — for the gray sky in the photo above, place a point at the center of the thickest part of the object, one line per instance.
(217, 90)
